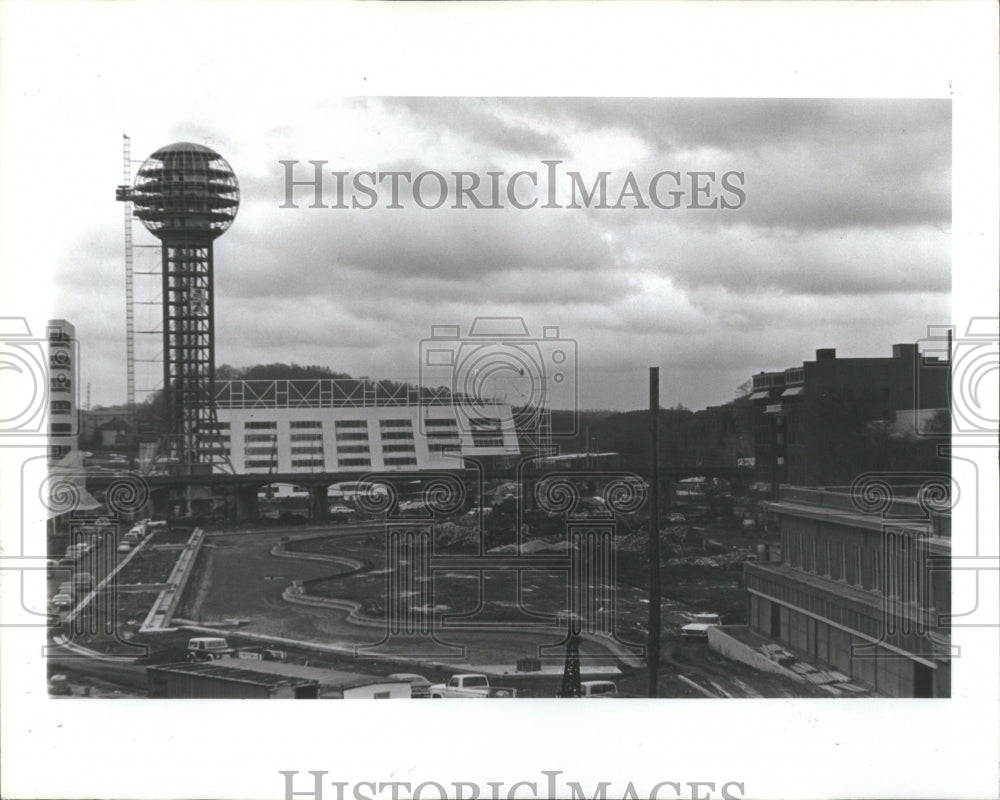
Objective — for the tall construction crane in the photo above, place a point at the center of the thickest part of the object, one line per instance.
(124, 195)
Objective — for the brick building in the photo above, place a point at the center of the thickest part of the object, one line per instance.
(810, 421)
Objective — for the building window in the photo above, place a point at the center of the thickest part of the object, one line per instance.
(306, 450)
(352, 437)
(260, 437)
(388, 435)
(258, 451)
(354, 448)
(395, 423)
(352, 423)
(398, 448)
(354, 462)
(298, 463)
(306, 437)
(61, 407)
(400, 461)
(820, 552)
(441, 423)
(61, 427)
(305, 423)
(262, 463)
(260, 426)
(448, 436)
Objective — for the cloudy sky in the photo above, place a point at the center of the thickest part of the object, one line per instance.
(843, 239)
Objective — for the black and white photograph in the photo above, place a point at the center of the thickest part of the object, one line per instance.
(362, 352)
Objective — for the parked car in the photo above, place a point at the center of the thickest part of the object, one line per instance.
(341, 512)
(207, 648)
(470, 685)
(419, 685)
(261, 654)
(599, 689)
(62, 600)
(83, 581)
(698, 629)
(124, 547)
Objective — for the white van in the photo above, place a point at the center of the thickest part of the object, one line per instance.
(207, 648)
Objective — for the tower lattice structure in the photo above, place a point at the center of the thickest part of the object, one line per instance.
(187, 196)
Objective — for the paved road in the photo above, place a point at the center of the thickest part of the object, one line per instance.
(241, 579)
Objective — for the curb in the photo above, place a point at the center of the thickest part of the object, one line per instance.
(160, 613)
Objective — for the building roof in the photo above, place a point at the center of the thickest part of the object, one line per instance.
(327, 678)
(236, 674)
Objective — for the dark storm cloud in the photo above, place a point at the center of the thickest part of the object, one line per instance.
(314, 245)
(824, 262)
(843, 240)
(809, 163)
(746, 124)
(523, 286)
(484, 121)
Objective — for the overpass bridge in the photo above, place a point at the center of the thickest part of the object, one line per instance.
(237, 494)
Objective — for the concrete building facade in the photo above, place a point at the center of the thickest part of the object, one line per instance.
(286, 434)
(866, 593)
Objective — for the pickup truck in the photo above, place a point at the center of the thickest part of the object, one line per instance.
(470, 685)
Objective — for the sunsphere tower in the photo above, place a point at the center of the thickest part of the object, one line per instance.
(187, 196)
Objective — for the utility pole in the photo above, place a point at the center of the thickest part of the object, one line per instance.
(653, 645)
